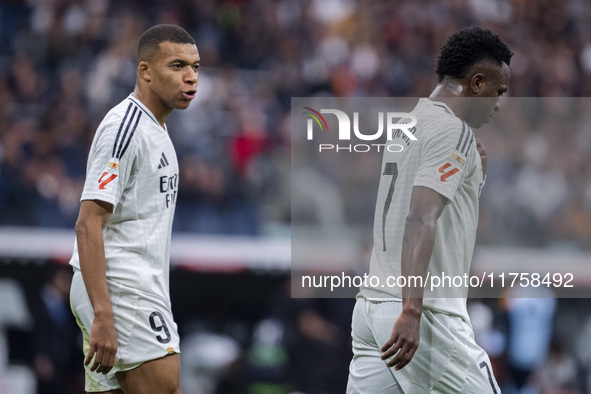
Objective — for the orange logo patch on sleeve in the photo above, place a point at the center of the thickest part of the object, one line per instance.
(448, 173)
(103, 182)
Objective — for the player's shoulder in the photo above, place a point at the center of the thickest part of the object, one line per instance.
(122, 127)
(125, 115)
(435, 116)
(437, 121)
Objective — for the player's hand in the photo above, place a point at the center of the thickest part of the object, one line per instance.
(404, 340)
(103, 345)
(483, 158)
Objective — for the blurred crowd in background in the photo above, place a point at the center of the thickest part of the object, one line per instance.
(65, 63)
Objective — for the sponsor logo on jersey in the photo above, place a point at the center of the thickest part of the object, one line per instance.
(447, 174)
(169, 186)
(163, 161)
(458, 158)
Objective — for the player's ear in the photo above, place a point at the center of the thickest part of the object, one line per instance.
(477, 83)
(143, 71)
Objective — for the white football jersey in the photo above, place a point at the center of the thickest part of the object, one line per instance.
(443, 158)
(132, 164)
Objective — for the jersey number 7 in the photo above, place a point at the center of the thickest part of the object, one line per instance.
(392, 170)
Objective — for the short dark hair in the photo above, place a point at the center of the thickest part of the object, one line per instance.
(467, 47)
(151, 39)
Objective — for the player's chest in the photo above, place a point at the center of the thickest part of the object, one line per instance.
(474, 178)
(158, 169)
(159, 156)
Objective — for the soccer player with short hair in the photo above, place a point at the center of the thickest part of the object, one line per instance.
(120, 289)
(425, 225)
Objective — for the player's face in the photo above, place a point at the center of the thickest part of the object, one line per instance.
(174, 74)
(494, 84)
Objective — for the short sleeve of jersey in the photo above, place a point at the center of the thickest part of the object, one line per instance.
(444, 158)
(109, 162)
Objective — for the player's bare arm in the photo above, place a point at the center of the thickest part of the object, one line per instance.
(483, 157)
(92, 218)
(419, 238)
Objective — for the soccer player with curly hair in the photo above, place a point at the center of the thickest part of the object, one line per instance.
(417, 339)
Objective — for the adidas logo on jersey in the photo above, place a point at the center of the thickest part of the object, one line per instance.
(163, 161)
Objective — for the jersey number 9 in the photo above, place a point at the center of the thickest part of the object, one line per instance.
(159, 327)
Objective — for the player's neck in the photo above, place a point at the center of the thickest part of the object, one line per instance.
(153, 104)
(451, 94)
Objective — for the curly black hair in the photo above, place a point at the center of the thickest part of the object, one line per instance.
(468, 46)
(151, 39)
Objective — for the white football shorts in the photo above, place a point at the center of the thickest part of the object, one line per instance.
(447, 360)
(143, 322)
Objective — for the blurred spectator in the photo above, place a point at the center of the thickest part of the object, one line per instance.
(530, 313)
(582, 351)
(206, 358)
(14, 313)
(558, 374)
(269, 369)
(57, 353)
